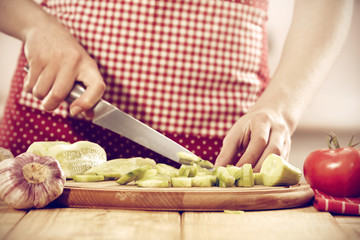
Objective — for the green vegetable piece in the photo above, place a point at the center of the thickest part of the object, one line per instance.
(234, 171)
(205, 164)
(131, 176)
(239, 182)
(150, 173)
(167, 170)
(184, 171)
(203, 171)
(193, 170)
(188, 158)
(78, 157)
(203, 181)
(111, 175)
(181, 182)
(222, 184)
(156, 182)
(188, 170)
(41, 148)
(258, 179)
(120, 166)
(234, 211)
(248, 176)
(88, 178)
(276, 171)
(225, 179)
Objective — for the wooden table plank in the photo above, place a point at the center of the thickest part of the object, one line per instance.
(68, 223)
(9, 217)
(350, 224)
(300, 223)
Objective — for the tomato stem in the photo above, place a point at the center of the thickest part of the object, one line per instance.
(333, 140)
(351, 142)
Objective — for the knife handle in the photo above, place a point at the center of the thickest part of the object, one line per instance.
(76, 91)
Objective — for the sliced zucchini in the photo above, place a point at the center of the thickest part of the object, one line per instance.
(239, 182)
(258, 179)
(234, 171)
(88, 178)
(188, 170)
(248, 176)
(112, 175)
(188, 158)
(205, 164)
(203, 171)
(184, 171)
(165, 169)
(131, 176)
(148, 174)
(225, 179)
(276, 171)
(156, 182)
(234, 211)
(181, 182)
(203, 181)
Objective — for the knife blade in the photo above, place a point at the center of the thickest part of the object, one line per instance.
(110, 117)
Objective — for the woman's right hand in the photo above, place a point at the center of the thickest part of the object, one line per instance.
(55, 58)
(56, 61)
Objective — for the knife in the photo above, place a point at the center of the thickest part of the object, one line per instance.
(112, 118)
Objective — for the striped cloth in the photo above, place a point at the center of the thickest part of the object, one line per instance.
(338, 205)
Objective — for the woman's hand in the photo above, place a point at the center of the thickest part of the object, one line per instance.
(312, 45)
(55, 58)
(253, 137)
(56, 61)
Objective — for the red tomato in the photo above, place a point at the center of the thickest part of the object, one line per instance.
(334, 171)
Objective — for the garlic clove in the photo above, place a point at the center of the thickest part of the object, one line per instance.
(30, 181)
(5, 154)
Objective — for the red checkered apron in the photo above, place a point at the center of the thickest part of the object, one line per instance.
(187, 68)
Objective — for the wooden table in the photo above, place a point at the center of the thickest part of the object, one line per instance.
(103, 224)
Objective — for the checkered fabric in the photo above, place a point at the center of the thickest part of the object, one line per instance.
(189, 67)
(179, 66)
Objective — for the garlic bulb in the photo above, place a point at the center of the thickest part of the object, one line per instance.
(30, 181)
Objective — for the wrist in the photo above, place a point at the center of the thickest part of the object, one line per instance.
(283, 104)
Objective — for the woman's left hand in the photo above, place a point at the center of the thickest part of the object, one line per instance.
(269, 124)
(253, 137)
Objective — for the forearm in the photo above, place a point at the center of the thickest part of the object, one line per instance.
(19, 17)
(317, 33)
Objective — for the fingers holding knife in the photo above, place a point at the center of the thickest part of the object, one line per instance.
(52, 85)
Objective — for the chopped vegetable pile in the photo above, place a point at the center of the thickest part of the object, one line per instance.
(194, 172)
(38, 176)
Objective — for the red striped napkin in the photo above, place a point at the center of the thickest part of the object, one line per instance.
(339, 205)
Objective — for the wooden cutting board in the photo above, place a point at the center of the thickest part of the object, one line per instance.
(109, 194)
